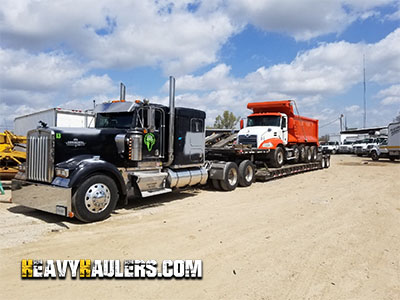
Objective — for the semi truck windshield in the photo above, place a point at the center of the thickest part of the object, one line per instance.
(114, 120)
(264, 121)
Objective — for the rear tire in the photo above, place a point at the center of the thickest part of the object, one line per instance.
(307, 151)
(231, 176)
(302, 152)
(278, 158)
(95, 198)
(313, 153)
(296, 154)
(246, 173)
(215, 184)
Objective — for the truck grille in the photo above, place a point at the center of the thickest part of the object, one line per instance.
(248, 140)
(40, 155)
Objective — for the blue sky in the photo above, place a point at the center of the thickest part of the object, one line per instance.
(223, 53)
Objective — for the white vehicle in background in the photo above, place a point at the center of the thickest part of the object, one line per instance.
(390, 148)
(330, 147)
(54, 117)
(346, 147)
(360, 146)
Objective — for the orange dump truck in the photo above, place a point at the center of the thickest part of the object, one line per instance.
(273, 125)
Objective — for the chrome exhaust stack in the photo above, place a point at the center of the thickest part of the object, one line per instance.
(171, 121)
(122, 92)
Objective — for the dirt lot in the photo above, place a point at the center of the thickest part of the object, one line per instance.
(327, 234)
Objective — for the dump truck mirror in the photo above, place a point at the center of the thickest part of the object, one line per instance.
(241, 124)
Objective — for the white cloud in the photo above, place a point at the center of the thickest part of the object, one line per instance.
(43, 72)
(390, 95)
(91, 85)
(352, 108)
(304, 19)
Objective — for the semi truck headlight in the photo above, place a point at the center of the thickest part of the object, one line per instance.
(62, 172)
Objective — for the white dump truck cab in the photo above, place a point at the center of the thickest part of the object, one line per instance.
(262, 127)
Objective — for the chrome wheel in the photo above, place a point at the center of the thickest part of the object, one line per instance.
(232, 176)
(97, 197)
(249, 173)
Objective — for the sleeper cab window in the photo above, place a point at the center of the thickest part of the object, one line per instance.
(196, 125)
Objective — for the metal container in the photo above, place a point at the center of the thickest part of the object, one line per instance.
(187, 177)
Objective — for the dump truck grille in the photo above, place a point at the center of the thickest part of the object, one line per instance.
(40, 155)
(248, 140)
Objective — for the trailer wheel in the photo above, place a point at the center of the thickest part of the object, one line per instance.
(215, 184)
(313, 150)
(95, 198)
(231, 177)
(327, 162)
(278, 158)
(374, 155)
(323, 163)
(302, 151)
(308, 153)
(246, 173)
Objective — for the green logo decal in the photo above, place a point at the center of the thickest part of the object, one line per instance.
(149, 140)
(58, 135)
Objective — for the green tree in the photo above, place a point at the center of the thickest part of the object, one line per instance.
(397, 119)
(227, 121)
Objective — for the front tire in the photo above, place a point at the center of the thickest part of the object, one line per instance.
(95, 198)
(313, 150)
(278, 158)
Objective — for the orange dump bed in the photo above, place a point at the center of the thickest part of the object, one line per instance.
(300, 129)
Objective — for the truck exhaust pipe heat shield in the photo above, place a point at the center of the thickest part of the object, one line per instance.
(135, 145)
(171, 121)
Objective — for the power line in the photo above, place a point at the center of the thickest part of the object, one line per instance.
(322, 126)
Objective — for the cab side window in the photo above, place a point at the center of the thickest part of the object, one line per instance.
(196, 125)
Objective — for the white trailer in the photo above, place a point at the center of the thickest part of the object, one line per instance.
(394, 139)
(53, 117)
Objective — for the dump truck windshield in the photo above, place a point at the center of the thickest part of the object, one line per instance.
(114, 120)
(264, 121)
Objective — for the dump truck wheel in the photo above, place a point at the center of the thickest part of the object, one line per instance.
(278, 158)
(231, 177)
(302, 152)
(95, 198)
(307, 151)
(323, 162)
(313, 153)
(246, 173)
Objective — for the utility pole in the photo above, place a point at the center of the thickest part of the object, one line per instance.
(365, 99)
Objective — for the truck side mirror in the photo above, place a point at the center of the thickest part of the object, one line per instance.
(241, 124)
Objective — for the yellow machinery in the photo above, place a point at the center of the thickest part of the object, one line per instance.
(10, 158)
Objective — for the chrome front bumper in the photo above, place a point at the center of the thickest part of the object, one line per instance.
(45, 197)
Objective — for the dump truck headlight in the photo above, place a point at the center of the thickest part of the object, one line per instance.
(60, 172)
(268, 145)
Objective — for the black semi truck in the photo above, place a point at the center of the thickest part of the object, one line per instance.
(139, 147)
